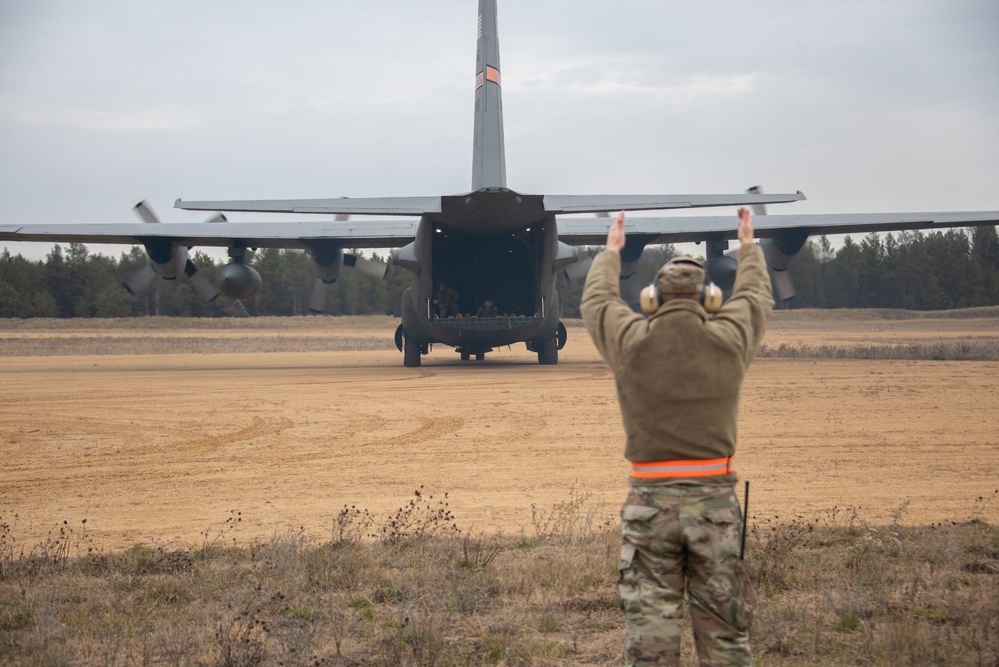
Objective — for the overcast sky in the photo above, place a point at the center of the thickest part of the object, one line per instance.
(864, 105)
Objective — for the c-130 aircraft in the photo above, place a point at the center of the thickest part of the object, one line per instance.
(491, 243)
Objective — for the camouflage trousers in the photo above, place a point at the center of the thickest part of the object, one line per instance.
(684, 536)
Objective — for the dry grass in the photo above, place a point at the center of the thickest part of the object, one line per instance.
(969, 334)
(418, 587)
(168, 335)
(835, 590)
(81, 345)
(942, 350)
(319, 322)
(884, 314)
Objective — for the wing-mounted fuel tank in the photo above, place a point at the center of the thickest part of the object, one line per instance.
(634, 246)
(721, 264)
(237, 280)
(631, 254)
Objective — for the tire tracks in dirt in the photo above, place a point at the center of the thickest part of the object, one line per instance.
(144, 462)
(431, 428)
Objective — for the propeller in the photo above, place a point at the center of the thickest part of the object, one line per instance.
(320, 288)
(138, 283)
(783, 285)
(782, 282)
(317, 296)
(369, 267)
(168, 261)
(328, 264)
(202, 285)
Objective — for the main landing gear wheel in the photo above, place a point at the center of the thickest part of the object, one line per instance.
(411, 354)
(548, 352)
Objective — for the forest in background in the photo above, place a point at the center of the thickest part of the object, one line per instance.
(940, 270)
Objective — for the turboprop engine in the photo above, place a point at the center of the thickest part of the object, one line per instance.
(328, 260)
(779, 251)
(167, 261)
(781, 248)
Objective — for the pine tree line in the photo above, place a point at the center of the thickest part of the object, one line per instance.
(910, 270)
(75, 283)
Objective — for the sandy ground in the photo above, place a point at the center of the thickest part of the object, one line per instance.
(159, 448)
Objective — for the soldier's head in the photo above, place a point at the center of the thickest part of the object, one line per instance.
(680, 277)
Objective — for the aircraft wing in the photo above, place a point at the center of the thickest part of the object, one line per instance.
(685, 229)
(346, 233)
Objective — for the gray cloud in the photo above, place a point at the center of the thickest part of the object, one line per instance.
(863, 105)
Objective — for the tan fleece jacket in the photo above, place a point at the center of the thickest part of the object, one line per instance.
(678, 372)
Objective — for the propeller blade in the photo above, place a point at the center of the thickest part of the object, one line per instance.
(368, 267)
(202, 285)
(783, 285)
(758, 209)
(578, 270)
(218, 217)
(143, 211)
(781, 280)
(317, 297)
(138, 283)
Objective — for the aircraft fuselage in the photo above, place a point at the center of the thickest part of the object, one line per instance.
(491, 245)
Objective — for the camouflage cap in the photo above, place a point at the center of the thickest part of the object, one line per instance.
(680, 276)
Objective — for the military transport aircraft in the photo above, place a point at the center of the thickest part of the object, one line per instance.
(491, 243)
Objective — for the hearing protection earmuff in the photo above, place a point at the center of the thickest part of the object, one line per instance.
(650, 299)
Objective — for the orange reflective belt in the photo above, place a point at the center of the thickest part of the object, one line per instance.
(695, 468)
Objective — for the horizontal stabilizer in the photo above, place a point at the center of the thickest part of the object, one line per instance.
(340, 205)
(615, 203)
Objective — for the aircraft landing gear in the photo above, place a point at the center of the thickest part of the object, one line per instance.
(548, 352)
(411, 354)
(466, 353)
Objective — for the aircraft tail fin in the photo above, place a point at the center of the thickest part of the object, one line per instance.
(488, 153)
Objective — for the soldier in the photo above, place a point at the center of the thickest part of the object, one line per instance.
(487, 309)
(679, 374)
(446, 300)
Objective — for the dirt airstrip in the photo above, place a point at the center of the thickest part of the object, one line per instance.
(154, 430)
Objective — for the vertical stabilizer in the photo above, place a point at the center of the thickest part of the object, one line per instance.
(488, 155)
